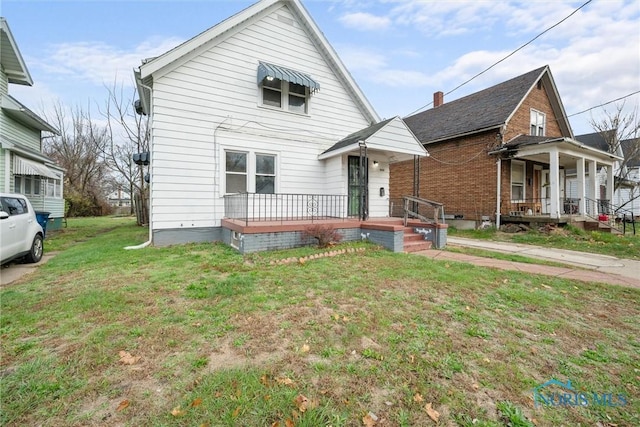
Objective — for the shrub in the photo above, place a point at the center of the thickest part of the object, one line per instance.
(326, 235)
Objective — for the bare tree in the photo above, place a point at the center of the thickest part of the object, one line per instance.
(621, 131)
(127, 134)
(78, 149)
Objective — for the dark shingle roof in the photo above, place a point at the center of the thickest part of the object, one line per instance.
(360, 135)
(631, 150)
(485, 109)
(595, 140)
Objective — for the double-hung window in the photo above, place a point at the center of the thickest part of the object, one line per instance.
(538, 123)
(517, 180)
(236, 172)
(265, 174)
(285, 95)
(285, 89)
(250, 172)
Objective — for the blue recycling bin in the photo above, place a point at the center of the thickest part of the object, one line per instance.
(43, 218)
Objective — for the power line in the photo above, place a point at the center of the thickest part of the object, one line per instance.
(508, 56)
(606, 103)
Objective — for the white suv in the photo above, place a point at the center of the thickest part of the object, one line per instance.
(20, 233)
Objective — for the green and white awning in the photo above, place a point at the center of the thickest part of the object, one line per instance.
(288, 75)
(22, 166)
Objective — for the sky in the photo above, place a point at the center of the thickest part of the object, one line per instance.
(399, 51)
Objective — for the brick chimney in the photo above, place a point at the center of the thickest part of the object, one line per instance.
(438, 99)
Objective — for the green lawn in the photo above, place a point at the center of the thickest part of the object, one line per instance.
(627, 246)
(199, 335)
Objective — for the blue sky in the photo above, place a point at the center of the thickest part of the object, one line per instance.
(399, 51)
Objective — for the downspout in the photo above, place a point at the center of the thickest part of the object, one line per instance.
(148, 242)
(499, 191)
(499, 178)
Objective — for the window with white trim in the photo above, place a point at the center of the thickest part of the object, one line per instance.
(250, 172)
(27, 184)
(538, 123)
(517, 180)
(236, 172)
(284, 95)
(265, 174)
(53, 188)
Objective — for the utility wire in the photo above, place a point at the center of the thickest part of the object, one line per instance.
(508, 56)
(606, 103)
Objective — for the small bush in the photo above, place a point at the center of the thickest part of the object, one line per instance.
(326, 235)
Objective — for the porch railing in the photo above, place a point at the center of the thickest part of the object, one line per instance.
(541, 207)
(252, 207)
(422, 209)
(603, 211)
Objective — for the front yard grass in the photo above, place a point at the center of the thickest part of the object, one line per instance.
(199, 335)
(622, 246)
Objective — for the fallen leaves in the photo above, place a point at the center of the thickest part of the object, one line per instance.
(123, 405)
(177, 412)
(369, 420)
(301, 403)
(433, 414)
(127, 359)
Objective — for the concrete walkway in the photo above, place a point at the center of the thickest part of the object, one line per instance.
(588, 267)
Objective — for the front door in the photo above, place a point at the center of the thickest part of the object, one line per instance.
(357, 186)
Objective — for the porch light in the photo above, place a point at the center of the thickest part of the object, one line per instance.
(375, 163)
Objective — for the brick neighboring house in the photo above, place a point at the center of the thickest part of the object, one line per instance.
(500, 155)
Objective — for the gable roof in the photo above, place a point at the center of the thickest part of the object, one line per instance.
(221, 31)
(358, 136)
(10, 57)
(402, 144)
(487, 109)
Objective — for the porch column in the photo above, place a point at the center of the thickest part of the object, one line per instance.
(580, 172)
(610, 187)
(592, 207)
(554, 183)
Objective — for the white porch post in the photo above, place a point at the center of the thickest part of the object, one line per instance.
(610, 185)
(593, 188)
(581, 186)
(554, 183)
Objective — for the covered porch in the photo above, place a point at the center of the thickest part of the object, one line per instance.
(552, 180)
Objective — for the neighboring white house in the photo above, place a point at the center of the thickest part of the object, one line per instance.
(23, 167)
(626, 198)
(261, 104)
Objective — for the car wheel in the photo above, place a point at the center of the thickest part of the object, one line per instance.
(37, 248)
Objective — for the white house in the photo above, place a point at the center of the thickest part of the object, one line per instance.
(258, 119)
(23, 167)
(626, 197)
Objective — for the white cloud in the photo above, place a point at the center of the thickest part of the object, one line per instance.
(97, 62)
(365, 21)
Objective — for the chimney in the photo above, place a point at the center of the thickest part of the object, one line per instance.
(438, 99)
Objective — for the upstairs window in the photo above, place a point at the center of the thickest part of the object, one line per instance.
(538, 123)
(285, 95)
(285, 89)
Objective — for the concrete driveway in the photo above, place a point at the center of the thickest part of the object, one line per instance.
(12, 272)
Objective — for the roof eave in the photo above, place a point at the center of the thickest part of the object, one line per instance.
(19, 112)
(21, 74)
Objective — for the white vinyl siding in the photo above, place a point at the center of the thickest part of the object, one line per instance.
(211, 103)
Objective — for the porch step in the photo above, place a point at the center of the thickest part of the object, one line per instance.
(415, 242)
